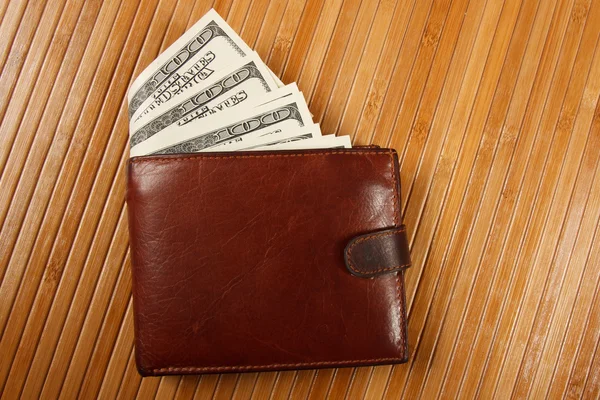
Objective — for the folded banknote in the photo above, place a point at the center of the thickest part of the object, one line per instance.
(210, 92)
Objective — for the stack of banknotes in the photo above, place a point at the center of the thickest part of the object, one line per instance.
(210, 92)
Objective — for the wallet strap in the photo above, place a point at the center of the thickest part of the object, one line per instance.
(378, 253)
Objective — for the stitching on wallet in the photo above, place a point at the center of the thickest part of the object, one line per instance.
(373, 236)
(402, 316)
(394, 184)
(244, 367)
(175, 158)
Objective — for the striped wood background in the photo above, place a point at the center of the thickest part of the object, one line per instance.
(493, 107)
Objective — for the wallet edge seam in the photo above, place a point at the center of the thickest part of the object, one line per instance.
(268, 367)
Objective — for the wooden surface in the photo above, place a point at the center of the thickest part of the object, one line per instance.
(493, 108)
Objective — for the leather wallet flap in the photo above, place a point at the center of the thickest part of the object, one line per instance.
(378, 253)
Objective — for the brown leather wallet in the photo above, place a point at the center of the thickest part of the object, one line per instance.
(261, 261)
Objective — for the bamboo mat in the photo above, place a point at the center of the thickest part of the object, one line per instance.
(492, 106)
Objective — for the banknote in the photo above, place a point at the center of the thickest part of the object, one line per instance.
(172, 128)
(209, 91)
(287, 114)
(322, 142)
(242, 87)
(182, 95)
(271, 140)
(208, 46)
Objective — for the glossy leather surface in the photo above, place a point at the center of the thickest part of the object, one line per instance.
(238, 261)
(378, 253)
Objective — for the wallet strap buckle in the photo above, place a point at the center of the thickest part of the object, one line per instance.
(378, 253)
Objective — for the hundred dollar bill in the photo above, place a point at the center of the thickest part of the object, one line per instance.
(323, 142)
(243, 87)
(284, 115)
(174, 129)
(271, 140)
(187, 91)
(206, 47)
